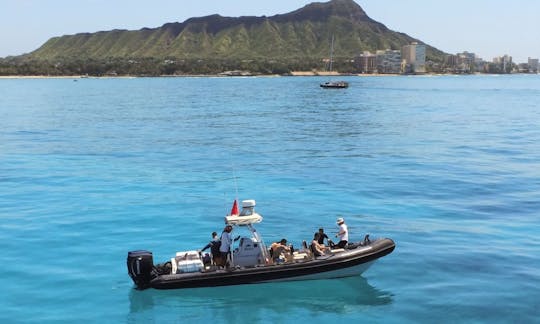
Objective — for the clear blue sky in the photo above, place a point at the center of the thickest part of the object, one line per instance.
(488, 28)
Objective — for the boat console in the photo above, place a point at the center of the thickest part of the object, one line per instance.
(249, 253)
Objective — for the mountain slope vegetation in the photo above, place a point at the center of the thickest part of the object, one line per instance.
(295, 40)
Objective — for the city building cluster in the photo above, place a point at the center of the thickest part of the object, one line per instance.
(469, 63)
(411, 59)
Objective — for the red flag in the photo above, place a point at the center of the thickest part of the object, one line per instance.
(234, 210)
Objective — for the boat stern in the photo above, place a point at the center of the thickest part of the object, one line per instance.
(140, 264)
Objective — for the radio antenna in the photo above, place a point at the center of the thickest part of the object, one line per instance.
(235, 184)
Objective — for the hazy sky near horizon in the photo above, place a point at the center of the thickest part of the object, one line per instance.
(488, 28)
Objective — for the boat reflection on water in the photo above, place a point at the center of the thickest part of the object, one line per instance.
(252, 302)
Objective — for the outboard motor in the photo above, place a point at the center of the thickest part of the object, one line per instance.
(140, 264)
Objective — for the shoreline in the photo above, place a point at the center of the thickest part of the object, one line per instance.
(293, 74)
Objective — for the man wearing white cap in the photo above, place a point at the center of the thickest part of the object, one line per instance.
(343, 233)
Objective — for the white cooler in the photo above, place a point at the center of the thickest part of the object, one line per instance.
(185, 262)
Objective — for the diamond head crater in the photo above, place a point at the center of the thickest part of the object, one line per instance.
(279, 44)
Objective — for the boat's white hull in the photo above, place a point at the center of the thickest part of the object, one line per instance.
(341, 273)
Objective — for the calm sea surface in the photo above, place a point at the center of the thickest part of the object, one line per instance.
(448, 167)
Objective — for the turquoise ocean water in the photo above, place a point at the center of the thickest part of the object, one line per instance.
(448, 167)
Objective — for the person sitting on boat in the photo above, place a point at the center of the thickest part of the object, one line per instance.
(343, 234)
(214, 248)
(279, 250)
(316, 247)
(322, 236)
(226, 243)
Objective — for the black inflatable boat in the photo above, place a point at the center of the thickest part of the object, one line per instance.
(250, 262)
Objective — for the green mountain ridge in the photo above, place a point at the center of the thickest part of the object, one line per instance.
(294, 41)
(304, 33)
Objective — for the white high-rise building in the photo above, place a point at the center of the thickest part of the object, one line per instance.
(414, 57)
(533, 65)
(388, 61)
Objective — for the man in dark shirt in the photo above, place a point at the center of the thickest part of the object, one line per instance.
(214, 248)
(322, 236)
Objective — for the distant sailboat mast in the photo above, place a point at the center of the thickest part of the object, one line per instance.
(333, 84)
(331, 54)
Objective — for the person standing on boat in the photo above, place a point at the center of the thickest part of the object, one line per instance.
(214, 248)
(343, 233)
(226, 243)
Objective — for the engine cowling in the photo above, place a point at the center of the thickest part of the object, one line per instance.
(140, 264)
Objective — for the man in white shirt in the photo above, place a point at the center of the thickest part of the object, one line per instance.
(226, 243)
(343, 234)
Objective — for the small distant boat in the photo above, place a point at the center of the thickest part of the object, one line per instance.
(333, 84)
(250, 261)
